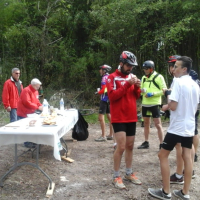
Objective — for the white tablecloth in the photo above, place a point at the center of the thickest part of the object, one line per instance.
(49, 135)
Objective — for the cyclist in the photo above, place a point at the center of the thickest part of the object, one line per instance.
(182, 104)
(177, 178)
(104, 107)
(152, 85)
(123, 91)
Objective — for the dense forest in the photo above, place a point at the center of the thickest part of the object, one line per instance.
(63, 42)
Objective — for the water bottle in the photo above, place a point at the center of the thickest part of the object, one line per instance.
(61, 105)
(45, 106)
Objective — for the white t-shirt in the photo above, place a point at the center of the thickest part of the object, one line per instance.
(186, 92)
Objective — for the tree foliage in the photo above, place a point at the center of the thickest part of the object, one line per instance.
(63, 42)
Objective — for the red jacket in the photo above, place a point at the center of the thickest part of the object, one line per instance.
(10, 95)
(28, 101)
(122, 96)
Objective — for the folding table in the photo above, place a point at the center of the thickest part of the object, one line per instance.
(20, 131)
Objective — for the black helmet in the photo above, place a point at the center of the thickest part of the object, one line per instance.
(128, 57)
(173, 59)
(193, 74)
(148, 64)
(107, 68)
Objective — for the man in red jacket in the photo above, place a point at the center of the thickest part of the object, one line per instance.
(29, 99)
(11, 92)
(123, 91)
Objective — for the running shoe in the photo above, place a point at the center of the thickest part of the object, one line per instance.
(158, 193)
(108, 137)
(118, 183)
(144, 145)
(180, 195)
(132, 178)
(175, 180)
(101, 139)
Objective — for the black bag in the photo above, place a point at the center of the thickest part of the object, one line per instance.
(80, 131)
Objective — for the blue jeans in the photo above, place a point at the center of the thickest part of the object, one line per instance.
(13, 115)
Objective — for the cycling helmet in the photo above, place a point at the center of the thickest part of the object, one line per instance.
(193, 74)
(128, 57)
(172, 59)
(107, 68)
(148, 64)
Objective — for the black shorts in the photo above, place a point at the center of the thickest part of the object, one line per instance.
(104, 107)
(171, 140)
(155, 110)
(128, 128)
(196, 122)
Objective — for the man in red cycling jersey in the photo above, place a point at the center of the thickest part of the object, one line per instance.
(123, 91)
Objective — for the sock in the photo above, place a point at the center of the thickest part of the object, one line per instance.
(165, 192)
(178, 176)
(116, 174)
(129, 171)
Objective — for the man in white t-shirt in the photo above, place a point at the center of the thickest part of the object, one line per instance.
(183, 103)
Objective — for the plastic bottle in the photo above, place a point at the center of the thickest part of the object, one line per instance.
(45, 106)
(62, 105)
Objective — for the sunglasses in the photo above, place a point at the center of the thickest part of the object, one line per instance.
(17, 73)
(145, 68)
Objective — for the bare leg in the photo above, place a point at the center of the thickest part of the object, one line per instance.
(179, 159)
(129, 151)
(102, 124)
(110, 125)
(188, 167)
(196, 142)
(146, 128)
(158, 125)
(165, 170)
(121, 143)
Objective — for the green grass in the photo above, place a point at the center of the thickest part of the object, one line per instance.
(93, 119)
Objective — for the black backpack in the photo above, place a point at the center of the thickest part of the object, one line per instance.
(153, 80)
(80, 130)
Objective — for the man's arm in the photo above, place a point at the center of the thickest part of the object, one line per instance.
(162, 85)
(172, 105)
(5, 96)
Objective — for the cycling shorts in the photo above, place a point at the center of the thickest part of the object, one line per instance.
(171, 140)
(104, 107)
(155, 110)
(128, 128)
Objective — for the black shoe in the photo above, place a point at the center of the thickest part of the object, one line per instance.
(142, 124)
(144, 145)
(30, 145)
(195, 157)
(175, 180)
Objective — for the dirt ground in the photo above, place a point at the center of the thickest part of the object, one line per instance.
(89, 177)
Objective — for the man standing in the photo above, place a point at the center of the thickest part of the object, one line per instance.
(123, 91)
(104, 107)
(183, 103)
(11, 91)
(152, 85)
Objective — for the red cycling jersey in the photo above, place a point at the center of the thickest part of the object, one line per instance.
(122, 96)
